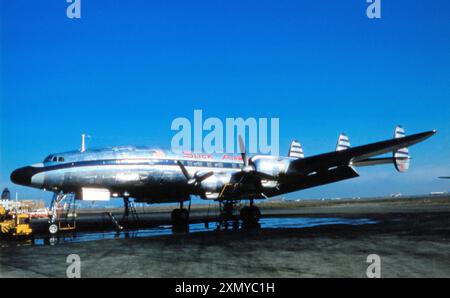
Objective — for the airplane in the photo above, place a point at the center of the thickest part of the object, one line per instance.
(157, 176)
(444, 177)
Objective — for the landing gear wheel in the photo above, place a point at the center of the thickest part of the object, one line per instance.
(180, 220)
(250, 216)
(53, 229)
(250, 213)
(180, 216)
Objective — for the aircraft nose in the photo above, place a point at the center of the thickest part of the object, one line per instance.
(22, 176)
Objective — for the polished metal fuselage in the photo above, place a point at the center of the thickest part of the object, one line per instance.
(147, 174)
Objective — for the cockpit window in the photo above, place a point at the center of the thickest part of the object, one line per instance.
(54, 158)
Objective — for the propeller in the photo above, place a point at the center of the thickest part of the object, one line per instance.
(197, 178)
(246, 168)
(243, 152)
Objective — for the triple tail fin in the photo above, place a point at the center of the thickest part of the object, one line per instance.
(401, 156)
(296, 150)
(343, 142)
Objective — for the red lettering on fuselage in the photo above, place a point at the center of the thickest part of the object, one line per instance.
(231, 157)
(197, 155)
(188, 154)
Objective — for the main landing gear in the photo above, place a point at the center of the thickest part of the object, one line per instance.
(227, 215)
(180, 218)
(249, 215)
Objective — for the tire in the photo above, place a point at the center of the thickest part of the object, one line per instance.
(184, 215)
(53, 229)
(245, 213)
(175, 215)
(180, 220)
(250, 216)
(180, 216)
(255, 213)
(250, 213)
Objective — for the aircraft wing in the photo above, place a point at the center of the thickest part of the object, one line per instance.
(327, 161)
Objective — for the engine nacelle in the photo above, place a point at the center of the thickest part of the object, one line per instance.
(269, 166)
(216, 182)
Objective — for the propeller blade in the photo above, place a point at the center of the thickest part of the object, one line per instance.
(184, 170)
(204, 176)
(197, 179)
(243, 153)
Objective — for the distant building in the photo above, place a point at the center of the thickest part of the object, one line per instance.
(9, 204)
(6, 194)
(22, 205)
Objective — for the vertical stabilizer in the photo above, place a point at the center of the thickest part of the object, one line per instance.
(296, 150)
(401, 156)
(343, 142)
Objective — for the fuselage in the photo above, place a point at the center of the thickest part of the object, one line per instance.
(147, 174)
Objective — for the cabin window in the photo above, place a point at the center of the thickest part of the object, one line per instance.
(60, 159)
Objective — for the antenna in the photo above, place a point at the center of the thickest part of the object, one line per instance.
(83, 143)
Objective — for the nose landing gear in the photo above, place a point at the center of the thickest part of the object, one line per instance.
(62, 216)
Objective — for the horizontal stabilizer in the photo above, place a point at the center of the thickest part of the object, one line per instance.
(374, 161)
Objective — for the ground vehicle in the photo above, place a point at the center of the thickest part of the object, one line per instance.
(14, 224)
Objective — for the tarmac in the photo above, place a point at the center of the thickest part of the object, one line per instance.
(310, 239)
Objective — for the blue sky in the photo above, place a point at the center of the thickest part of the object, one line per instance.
(126, 69)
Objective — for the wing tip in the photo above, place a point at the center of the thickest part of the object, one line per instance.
(429, 133)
